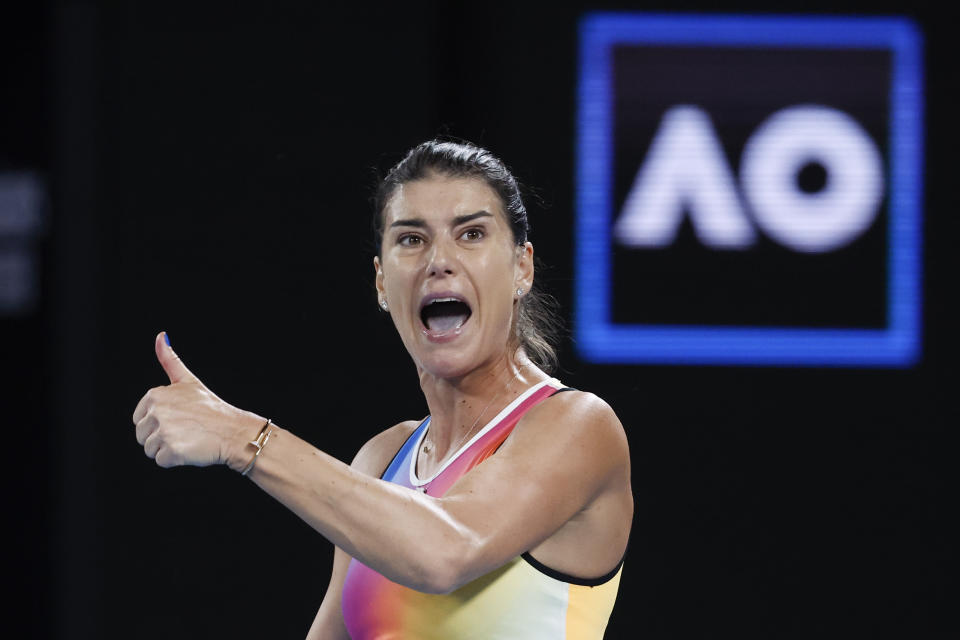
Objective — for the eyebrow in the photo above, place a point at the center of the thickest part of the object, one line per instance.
(421, 223)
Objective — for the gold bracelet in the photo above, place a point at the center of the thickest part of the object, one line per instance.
(260, 442)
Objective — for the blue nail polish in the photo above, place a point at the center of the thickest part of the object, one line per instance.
(166, 336)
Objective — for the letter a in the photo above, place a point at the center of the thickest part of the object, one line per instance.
(684, 170)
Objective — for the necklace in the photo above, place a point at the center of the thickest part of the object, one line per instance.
(426, 445)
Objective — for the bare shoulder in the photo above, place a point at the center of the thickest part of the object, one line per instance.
(580, 411)
(374, 456)
(578, 419)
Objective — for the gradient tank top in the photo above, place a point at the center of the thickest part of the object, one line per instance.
(522, 599)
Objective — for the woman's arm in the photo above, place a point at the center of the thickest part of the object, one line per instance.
(564, 454)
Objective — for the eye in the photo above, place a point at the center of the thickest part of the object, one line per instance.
(409, 240)
(473, 234)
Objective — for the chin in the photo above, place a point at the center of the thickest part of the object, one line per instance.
(446, 367)
(451, 361)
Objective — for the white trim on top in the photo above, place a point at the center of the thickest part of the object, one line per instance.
(417, 483)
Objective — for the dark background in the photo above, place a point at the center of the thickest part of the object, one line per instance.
(208, 170)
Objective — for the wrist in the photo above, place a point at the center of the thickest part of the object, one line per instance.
(239, 451)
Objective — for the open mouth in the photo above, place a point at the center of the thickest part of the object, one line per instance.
(444, 314)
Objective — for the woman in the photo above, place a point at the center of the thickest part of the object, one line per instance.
(430, 543)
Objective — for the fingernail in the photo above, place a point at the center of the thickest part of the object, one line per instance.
(166, 336)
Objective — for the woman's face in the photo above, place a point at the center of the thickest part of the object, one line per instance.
(449, 271)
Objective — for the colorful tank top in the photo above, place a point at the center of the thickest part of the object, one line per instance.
(522, 599)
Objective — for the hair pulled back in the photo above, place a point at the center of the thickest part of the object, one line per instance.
(537, 322)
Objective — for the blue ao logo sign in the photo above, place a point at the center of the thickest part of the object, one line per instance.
(748, 190)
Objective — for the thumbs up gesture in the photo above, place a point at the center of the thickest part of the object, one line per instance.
(184, 423)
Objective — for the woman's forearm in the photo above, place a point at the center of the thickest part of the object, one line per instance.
(404, 535)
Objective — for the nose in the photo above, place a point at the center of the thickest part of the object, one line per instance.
(442, 259)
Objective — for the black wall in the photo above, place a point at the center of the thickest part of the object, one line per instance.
(209, 170)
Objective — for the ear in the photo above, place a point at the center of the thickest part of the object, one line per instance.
(378, 269)
(523, 272)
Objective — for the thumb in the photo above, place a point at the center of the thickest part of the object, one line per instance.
(170, 361)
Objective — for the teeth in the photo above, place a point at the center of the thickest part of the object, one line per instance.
(444, 300)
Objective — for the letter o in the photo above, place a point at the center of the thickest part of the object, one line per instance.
(827, 219)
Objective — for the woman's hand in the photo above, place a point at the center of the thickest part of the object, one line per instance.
(184, 423)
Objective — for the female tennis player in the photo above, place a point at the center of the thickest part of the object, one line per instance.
(503, 514)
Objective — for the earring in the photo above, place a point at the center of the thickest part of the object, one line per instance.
(383, 305)
(519, 292)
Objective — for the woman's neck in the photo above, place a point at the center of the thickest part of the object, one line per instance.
(460, 407)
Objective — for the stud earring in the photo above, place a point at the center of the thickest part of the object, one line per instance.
(383, 305)
(519, 292)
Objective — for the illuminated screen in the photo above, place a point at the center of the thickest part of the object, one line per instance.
(748, 190)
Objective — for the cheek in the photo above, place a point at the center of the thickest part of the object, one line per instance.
(397, 285)
(392, 281)
(500, 291)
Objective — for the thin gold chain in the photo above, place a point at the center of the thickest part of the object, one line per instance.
(465, 436)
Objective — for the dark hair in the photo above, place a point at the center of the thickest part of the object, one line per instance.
(538, 323)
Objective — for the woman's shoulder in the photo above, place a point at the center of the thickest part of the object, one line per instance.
(374, 456)
(581, 418)
(579, 407)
